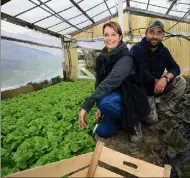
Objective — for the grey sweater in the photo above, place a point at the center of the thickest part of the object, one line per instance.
(123, 67)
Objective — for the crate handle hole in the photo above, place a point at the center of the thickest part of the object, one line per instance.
(130, 164)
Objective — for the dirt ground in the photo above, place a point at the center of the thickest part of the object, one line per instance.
(150, 148)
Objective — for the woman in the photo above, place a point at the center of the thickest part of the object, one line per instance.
(119, 93)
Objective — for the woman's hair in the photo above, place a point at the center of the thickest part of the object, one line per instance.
(115, 26)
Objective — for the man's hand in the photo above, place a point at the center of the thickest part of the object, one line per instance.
(156, 80)
(160, 85)
(99, 115)
(82, 118)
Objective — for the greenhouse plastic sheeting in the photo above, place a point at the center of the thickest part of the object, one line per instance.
(96, 45)
(66, 16)
(23, 64)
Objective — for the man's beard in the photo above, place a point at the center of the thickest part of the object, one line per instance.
(154, 45)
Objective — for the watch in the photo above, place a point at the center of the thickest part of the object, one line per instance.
(167, 79)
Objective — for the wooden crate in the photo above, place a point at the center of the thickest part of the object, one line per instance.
(86, 165)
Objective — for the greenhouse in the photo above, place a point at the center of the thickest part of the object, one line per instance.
(63, 67)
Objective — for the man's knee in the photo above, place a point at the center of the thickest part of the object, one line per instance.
(179, 83)
(175, 91)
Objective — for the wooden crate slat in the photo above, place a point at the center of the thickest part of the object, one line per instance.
(95, 159)
(167, 171)
(102, 172)
(82, 173)
(57, 169)
(144, 169)
(90, 160)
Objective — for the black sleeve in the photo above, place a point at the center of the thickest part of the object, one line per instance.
(97, 77)
(171, 65)
(146, 75)
(97, 81)
(120, 71)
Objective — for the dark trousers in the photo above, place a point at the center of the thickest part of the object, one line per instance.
(110, 106)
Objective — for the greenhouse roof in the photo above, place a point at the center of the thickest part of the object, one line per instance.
(61, 17)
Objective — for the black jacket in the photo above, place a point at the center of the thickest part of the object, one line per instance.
(117, 71)
(154, 63)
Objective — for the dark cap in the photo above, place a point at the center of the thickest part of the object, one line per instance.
(156, 23)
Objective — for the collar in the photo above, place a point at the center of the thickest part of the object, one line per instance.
(119, 48)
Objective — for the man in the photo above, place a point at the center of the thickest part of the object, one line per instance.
(164, 90)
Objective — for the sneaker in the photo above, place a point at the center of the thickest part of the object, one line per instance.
(135, 133)
(151, 120)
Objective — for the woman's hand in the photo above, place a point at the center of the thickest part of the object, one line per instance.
(82, 118)
(99, 115)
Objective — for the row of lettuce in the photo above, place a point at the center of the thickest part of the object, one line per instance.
(42, 127)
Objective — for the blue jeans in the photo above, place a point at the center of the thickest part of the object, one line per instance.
(110, 106)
